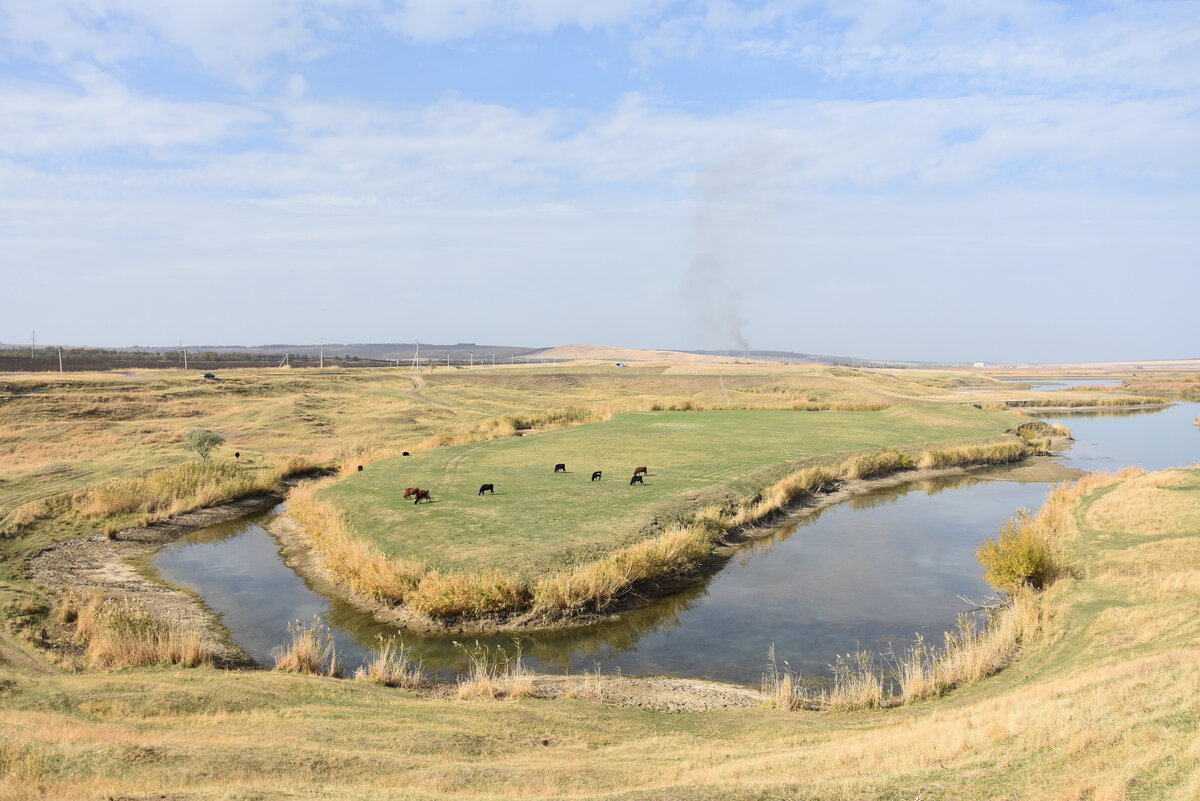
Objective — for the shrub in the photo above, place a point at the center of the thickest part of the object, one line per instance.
(877, 463)
(202, 442)
(1020, 555)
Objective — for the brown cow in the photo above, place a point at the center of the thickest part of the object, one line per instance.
(423, 495)
(639, 470)
(411, 491)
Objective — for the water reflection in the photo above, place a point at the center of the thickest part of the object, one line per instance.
(868, 573)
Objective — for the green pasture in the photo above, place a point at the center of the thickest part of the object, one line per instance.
(539, 521)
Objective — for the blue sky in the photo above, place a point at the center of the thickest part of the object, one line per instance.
(995, 181)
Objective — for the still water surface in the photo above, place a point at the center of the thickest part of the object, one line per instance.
(865, 573)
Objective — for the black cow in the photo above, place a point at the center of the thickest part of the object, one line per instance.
(596, 476)
(976, 406)
(237, 454)
(404, 454)
(488, 488)
(636, 480)
(560, 468)
(360, 468)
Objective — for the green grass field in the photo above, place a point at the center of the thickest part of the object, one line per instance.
(539, 521)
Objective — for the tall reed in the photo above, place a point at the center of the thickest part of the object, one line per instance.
(310, 649)
(493, 674)
(393, 665)
(121, 633)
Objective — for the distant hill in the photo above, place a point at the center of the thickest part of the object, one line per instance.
(789, 357)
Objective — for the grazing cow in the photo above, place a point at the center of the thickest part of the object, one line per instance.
(976, 406)
(596, 476)
(360, 468)
(636, 480)
(488, 488)
(411, 491)
(639, 471)
(237, 454)
(404, 454)
(560, 468)
(423, 495)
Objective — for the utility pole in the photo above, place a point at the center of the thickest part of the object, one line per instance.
(60, 360)
(472, 360)
(32, 346)
(184, 352)
(447, 360)
(322, 352)
(416, 365)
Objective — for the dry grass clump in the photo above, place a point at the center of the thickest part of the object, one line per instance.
(300, 463)
(393, 665)
(597, 584)
(310, 650)
(493, 674)
(173, 490)
(1074, 403)
(782, 494)
(1035, 429)
(352, 562)
(876, 463)
(451, 595)
(970, 654)
(983, 453)
(123, 633)
(781, 688)
(25, 515)
(511, 424)
(857, 683)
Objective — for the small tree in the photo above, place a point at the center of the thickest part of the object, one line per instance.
(202, 441)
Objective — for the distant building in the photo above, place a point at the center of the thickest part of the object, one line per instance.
(978, 364)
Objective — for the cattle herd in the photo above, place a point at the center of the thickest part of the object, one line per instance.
(419, 494)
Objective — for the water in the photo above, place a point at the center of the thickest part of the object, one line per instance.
(1042, 385)
(863, 574)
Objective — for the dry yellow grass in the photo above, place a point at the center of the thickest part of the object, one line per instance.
(393, 665)
(119, 633)
(310, 649)
(351, 562)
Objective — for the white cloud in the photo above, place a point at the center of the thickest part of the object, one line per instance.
(102, 113)
(232, 39)
(443, 20)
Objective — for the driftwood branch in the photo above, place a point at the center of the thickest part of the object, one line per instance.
(988, 604)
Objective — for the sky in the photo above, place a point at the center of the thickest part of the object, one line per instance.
(998, 181)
